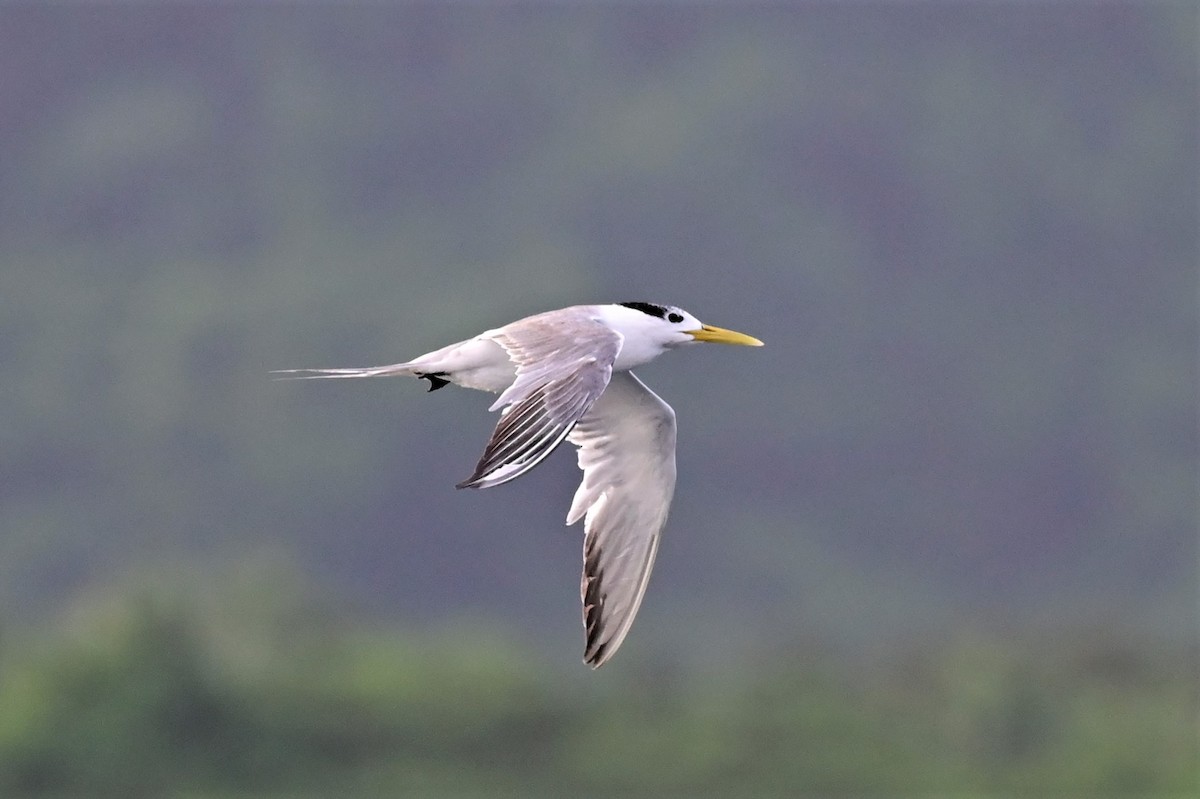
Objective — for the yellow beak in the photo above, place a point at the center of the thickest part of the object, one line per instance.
(719, 335)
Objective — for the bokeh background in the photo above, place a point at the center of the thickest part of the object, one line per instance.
(939, 535)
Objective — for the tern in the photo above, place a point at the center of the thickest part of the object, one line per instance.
(565, 374)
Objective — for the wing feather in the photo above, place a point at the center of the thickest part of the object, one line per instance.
(564, 360)
(627, 454)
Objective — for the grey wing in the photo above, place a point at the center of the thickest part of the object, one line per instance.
(564, 361)
(627, 454)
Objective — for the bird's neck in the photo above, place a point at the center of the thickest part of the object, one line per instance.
(641, 340)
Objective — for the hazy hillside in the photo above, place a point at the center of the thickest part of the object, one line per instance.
(967, 234)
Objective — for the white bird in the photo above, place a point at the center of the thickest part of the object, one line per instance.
(565, 374)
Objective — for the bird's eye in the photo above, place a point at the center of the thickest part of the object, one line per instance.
(674, 318)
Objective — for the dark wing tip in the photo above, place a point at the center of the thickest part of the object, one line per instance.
(596, 659)
(595, 651)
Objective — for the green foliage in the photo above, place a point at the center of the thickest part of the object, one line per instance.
(148, 693)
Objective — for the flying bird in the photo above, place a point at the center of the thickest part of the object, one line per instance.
(565, 374)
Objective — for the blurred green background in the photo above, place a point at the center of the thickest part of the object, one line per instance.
(939, 536)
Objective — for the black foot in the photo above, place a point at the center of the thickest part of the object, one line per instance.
(435, 380)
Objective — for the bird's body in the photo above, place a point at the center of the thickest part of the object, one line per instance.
(565, 375)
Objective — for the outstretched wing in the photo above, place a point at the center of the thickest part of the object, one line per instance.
(564, 360)
(627, 454)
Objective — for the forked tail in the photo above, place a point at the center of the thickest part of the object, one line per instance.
(364, 371)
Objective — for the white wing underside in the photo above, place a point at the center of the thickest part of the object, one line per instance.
(627, 454)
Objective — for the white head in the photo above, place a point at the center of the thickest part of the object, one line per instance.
(650, 329)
